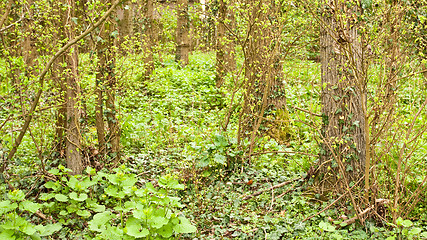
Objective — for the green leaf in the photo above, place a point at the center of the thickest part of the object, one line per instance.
(326, 226)
(49, 229)
(220, 141)
(16, 195)
(111, 191)
(97, 224)
(129, 181)
(184, 226)
(415, 231)
(158, 221)
(7, 206)
(221, 159)
(74, 184)
(29, 206)
(28, 229)
(83, 213)
(399, 221)
(135, 228)
(113, 232)
(51, 185)
(407, 223)
(92, 205)
(53, 171)
(61, 197)
(79, 198)
(7, 235)
(46, 196)
(166, 231)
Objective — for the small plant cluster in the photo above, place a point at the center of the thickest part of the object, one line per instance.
(99, 205)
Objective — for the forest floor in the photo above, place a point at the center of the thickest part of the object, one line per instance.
(173, 125)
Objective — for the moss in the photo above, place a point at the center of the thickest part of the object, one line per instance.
(280, 128)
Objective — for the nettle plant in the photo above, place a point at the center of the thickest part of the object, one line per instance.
(102, 206)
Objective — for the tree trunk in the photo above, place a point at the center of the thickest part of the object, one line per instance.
(72, 143)
(343, 97)
(264, 110)
(125, 16)
(107, 84)
(182, 33)
(224, 45)
(150, 37)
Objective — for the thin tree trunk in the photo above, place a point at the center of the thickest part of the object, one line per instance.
(72, 143)
(107, 84)
(264, 110)
(150, 37)
(125, 16)
(182, 33)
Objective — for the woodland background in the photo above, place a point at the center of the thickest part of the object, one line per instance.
(213, 119)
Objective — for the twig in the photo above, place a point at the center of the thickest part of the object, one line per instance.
(306, 111)
(271, 188)
(353, 219)
(6, 14)
(330, 205)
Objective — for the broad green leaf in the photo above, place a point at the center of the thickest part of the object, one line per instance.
(113, 232)
(51, 185)
(158, 221)
(74, 184)
(28, 229)
(96, 207)
(46, 196)
(166, 231)
(407, 223)
(49, 229)
(112, 191)
(16, 195)
(29, 206)
(7, 235)
(61, 197)
(415, 231)
(218, 158)
(83, 213)
(53, 171)
(99, 221)
(129, 181)
(80, 198)
(220, 141)
(135, 228)
(7, 206)
(399, 221)
(184, 226)
(327, 226)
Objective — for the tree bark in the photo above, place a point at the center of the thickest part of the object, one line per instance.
(73, 135)
(150, 37)
(182, 33)
(107, 84)
(125, 16)
(225, 61)
(343, 97)
(264, 110)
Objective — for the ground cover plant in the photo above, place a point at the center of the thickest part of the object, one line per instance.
(213, 119)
